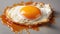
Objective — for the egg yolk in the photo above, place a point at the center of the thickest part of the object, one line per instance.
(30, 12)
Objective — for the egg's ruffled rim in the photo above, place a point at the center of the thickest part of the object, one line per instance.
(8, 20)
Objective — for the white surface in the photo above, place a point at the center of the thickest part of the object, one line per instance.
(43, 30)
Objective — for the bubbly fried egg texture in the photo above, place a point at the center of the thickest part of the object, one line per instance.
(29, 14)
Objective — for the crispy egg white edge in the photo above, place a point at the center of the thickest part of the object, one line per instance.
(15, 15)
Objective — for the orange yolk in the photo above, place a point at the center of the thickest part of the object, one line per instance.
(30, 12)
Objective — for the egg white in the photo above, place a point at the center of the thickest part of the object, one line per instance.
(14, 14)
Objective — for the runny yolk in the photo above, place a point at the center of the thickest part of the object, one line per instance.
(30, 12)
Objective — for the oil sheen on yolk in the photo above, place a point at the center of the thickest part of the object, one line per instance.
(30, 12)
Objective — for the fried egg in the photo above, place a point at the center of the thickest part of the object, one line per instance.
(29, 15)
